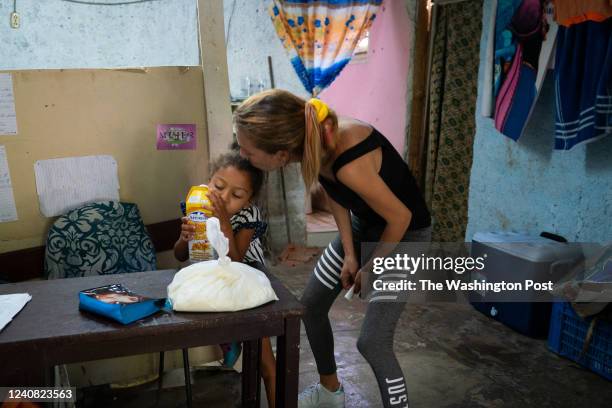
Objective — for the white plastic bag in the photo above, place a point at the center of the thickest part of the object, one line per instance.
(220, 285)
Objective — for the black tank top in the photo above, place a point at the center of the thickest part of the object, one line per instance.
(395, 173)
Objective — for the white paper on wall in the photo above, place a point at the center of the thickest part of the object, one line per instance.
(67, 183)
(8, 212)
(8, 118)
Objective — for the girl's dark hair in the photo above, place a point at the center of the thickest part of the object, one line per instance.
(233, 159)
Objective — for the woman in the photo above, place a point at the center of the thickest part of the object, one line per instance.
(374, 198)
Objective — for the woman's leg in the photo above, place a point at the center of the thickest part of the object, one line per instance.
(322, 289)
(268, 370)
(375, 341)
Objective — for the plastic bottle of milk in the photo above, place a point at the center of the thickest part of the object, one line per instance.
(200, 248)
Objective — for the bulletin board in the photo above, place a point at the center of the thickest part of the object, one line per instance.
(68, 113)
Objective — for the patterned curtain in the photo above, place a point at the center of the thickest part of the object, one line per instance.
(453, 87)
(320, 35)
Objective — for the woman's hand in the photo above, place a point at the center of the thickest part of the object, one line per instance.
(357, 283)
(187, 230)
(350, 267)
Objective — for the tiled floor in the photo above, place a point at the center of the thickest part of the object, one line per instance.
(452, 357)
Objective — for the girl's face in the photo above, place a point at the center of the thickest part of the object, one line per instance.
(233, 186)
(259, 158)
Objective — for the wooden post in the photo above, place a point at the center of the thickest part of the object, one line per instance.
(213, 58)
(416, 136)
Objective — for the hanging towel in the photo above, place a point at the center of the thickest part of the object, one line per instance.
(583, 75)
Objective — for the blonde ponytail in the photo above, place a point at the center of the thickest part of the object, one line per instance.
(311, 158)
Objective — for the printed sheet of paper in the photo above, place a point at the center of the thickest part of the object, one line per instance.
(8, 118)
(65, 184)
(8, 212)
(10, 305)
(176, 137)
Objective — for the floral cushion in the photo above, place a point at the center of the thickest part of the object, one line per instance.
(99, 239)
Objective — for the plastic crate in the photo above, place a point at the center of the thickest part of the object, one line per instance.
(568, 332)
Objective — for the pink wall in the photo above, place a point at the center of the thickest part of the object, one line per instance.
(375, 91)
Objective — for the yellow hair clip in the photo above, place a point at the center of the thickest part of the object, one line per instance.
(321, 108)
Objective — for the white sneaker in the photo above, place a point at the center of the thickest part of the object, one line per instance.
(318, 396)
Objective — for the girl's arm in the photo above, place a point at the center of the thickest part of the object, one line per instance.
(239, 242)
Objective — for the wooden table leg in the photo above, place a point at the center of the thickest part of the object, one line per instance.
(288, 364)
(28, 375)
(251, 388)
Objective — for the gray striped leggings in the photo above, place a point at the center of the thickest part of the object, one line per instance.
(375, 341)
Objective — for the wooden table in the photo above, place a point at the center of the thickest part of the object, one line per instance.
(51, 330)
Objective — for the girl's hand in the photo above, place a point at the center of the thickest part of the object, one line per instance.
(349, 270)
(187, 230)
(219, 210)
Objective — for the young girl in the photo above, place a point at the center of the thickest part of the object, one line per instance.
(233, 186)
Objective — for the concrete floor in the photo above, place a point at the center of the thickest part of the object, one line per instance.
(452, 356)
